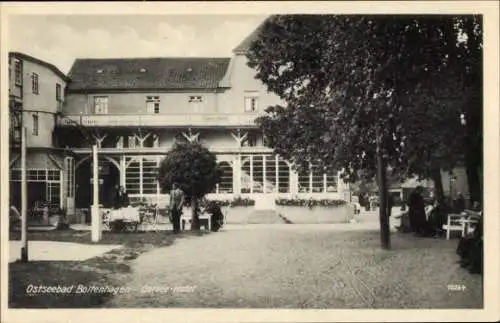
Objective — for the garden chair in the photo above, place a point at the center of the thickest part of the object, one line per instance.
(455, 222)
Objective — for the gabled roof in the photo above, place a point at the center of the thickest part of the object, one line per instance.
(244, 46)
(165, 73)
(34, 60)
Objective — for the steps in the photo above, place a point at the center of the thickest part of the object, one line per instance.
(264, 217)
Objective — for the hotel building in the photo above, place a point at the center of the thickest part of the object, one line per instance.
(134, 110)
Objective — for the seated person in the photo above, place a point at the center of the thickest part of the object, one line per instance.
(470, 249)
(216, 216)
(436, 218)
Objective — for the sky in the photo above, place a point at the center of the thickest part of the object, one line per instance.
(60, 39)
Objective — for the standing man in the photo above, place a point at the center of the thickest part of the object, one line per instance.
(176, 204)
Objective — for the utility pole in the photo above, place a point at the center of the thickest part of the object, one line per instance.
(24, 199)
(95, 215)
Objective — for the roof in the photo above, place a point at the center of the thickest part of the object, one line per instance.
(244, 46)
(164, 73)
(34, 60)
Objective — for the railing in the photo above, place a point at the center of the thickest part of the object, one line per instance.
(162, 150)
(160, 120)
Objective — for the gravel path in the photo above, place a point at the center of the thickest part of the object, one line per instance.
(300, 266)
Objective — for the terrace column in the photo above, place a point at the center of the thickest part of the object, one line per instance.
(294, 181)
(237, 174)
(123, 168)
(264, 177)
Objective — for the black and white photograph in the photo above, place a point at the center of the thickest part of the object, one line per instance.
(250, 160)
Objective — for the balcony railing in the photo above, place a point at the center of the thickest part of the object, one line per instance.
(161, 120)
(162, 150)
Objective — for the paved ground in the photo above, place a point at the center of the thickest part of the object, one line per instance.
(301, 266)
(58, 251)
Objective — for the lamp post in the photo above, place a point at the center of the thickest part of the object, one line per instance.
(24, 199)
(95, 215)
(96, 224)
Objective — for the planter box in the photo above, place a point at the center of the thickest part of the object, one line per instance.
(317, 214)
(237, 214)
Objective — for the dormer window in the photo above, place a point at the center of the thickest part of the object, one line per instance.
(195, 99)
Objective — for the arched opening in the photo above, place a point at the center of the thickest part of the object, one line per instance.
(109, 177)
(225, 185)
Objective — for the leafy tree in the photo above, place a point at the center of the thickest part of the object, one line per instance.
(194, 168)
(468, 60)
(350, 84)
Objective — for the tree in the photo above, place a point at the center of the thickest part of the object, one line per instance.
(469, 60)
(348, 84)
(194, 168)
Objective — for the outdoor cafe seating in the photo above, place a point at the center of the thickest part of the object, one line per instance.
(464, 222)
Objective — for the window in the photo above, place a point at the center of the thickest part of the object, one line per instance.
(196, 102)
(34, 83)
(250, 140)
(18, 72)
(58, 92)
(101, 105)
(35, 125)
(251, 101)
(153, 104)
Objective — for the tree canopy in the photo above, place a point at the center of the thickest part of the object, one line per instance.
(363, 93)
(194, 168)
(341, 76)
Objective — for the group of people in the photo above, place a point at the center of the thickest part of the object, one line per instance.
(469, 248)
(177, 201)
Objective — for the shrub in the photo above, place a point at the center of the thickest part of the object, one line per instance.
(237, 201)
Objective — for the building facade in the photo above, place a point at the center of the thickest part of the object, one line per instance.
(135, 110)
(36, 98)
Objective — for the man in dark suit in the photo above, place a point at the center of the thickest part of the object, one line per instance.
(175, 206)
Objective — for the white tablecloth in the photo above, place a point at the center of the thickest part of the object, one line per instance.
(129, 214)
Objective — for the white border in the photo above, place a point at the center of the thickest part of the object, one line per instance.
(490, 10)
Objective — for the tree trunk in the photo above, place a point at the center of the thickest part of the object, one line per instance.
(438, 185)
(473, 180)
(383, 197)
(195, 220)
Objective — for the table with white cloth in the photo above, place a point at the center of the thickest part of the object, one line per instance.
(129, 215)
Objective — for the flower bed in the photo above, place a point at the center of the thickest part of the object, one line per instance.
(236, 210)
(237, 201)
(315, 211)
(310, 202)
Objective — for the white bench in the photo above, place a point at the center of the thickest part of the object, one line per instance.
(454, 223)
(187, 218)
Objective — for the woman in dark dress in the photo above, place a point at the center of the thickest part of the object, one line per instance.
(417, 211)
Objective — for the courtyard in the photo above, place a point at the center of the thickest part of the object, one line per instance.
(338, 266)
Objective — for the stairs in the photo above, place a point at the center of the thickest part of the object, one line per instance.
(265, 217)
